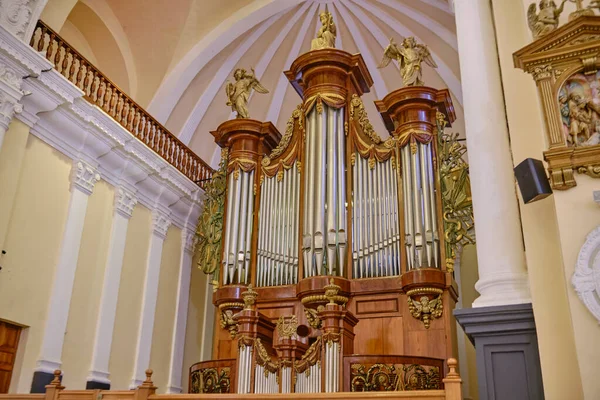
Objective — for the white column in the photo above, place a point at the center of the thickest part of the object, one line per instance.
(83, 179)
(125, 201)
(160, 225)
(502, 272)
(188, 237)
(8, 108)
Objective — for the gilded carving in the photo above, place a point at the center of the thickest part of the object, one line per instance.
(546, 20)
(310, 358)
(393, 377)
(457, 205)
(312, 316)
(239, 92)
(227, 321)
(210, 226)
(410, 55)
(425, 308)
(287, 136)
(249, 296)
(358, 111)
(263, 359)
(210, 380)
(286, 327)
(591, 170)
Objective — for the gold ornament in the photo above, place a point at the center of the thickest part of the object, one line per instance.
(546, 20)
(326, 34)
(210, 226)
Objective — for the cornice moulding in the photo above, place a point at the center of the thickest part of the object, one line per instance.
(59, 115)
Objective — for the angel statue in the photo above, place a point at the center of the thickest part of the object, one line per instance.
(425, 309)
(239, 92)
(326, 35)
(410, 55)
(546, 20)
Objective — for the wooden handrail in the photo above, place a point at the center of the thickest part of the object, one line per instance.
(104, 93)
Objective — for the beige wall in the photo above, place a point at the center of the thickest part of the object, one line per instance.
(160, 356)
(34, 200)
(130, 299)
(553, 230)
(195, 338)
(32, 243)
(87, 289)
(578, 215)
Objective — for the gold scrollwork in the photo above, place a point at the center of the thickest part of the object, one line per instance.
(286, 327)
(249, 296)
(357, 109)
(393, 377)
(312, 316)
(456, 193)
(228, 322)
(590, 170)
(283, 144)
(211, 380)
(210, 226)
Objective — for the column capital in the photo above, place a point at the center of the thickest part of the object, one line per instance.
(188, 239)
(84, 177)
(9, 106)
(125, 202)
(160, 223)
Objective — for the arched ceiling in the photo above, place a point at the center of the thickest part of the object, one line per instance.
(184, 52)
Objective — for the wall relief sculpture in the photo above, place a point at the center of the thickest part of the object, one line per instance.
(586, 279)
(579, 101)
(564, 64)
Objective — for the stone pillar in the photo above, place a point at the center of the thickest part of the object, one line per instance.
(502, 273)
(181, 309)
(501, 325)
(83, 179)
(160, 225)
(98, 378)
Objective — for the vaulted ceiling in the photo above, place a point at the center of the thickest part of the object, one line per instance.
(174, 58)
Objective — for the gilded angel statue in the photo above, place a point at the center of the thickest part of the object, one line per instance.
(239, 92)
(410, 55)
(326, 35)
(425, 309)
(546, 20)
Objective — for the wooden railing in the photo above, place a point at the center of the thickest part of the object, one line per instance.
(101, 91)
(147, 391)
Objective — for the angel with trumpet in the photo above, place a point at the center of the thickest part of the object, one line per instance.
(239, 91)
(410, 55)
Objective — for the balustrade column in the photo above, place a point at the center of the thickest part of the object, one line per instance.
(160, 225)
(500, 254)
(125, 201)
(83, 179)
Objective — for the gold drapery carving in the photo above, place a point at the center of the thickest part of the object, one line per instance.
(310, 358)
(331, 99)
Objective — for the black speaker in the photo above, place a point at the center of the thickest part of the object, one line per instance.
(532, 180)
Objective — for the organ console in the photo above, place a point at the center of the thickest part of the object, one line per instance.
(331, 248)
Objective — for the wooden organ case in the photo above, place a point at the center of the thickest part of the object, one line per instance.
(335, 272)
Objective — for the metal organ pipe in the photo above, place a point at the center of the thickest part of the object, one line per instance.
(228, 233)
(330, 188)
(319, 199)
(341, 184)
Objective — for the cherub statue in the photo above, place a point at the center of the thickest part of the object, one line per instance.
(546, 20)
(239, 92)
(326, 35)
(410, 55)
(425, 309)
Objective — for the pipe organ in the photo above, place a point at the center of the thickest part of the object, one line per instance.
(333, 240)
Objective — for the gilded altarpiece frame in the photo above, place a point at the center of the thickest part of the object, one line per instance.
(565, 65)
